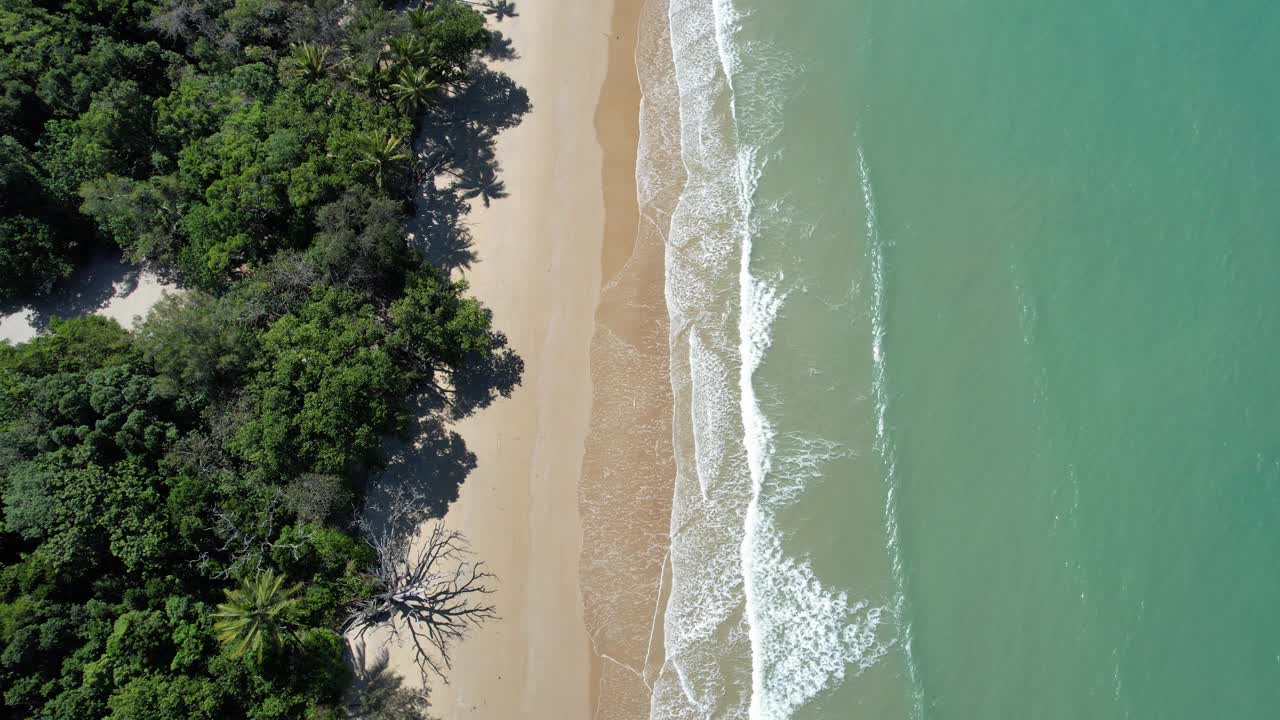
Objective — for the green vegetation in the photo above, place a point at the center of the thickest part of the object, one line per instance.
(258, 615)
(179, 535)
(203, 134)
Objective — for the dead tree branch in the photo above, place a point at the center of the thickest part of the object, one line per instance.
(428, 590)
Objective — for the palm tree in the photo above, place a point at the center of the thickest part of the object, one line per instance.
(420, 18)
(308, 60)
(407, 49)
(379, 152)
(257, 615)
(370, 78)
(414, 89)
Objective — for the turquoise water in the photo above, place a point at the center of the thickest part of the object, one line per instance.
(974, 319)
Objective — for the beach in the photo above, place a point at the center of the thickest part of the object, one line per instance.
(565, 227)
(903, 360)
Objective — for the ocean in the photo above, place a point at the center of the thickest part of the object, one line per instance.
(973, 306)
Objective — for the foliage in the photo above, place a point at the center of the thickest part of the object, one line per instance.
(436, 324)
(257, 615)
(380, 154)
(33, 252)
(360, 243)
(205, 136)
(324, 390)
(159, 484)
(194, 342)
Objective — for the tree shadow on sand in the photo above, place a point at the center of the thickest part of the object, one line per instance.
(432, 464)
(456, 163)
(481, 381)
(484, 184)
(499, 9)
(91, 287)
(379, 693)
(437, 229)
(431, 461)
(500, 47)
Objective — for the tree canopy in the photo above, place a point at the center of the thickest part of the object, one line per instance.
(204, 136)
(158, 485)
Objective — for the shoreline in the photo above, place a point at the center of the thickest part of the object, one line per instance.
(628, 469)
(545, 256)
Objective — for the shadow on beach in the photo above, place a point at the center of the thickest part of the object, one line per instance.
(379, 692)
(457, 163)
(431, 461)
(432, 464)
(500, 47)
(103, 276)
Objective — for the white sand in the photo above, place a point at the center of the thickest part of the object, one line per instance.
(104, 286)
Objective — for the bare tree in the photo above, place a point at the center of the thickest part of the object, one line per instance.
(428, 591)
(248, 542)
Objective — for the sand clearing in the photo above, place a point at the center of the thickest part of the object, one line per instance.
(104, 285)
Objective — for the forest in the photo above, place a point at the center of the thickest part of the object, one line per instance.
(186, 504)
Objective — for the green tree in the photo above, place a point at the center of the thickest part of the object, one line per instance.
(143, 217)
(454, 32)
(253, 147)
(361, 243)
(161, 696)
(75, 345)
(258, 616)
(34, 253)
(309, 61)
(414, 89)
(83, 513)
(195, 342)
(380, 153)
(435, 323)
(32, 257)
(371, 79)
(324, 389)
(408, 51)
(113, 136)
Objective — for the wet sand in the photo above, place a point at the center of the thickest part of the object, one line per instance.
(628, 467)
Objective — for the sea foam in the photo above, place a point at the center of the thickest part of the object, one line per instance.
(750, 632)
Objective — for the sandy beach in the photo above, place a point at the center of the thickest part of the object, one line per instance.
(565, 228)
(578, 291)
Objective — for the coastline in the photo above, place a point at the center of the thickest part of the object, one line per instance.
(628, 467)
(543, 255)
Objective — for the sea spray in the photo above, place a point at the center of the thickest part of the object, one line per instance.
(707, 670)
(804, 636)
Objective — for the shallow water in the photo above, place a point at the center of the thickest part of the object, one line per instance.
(972, 305)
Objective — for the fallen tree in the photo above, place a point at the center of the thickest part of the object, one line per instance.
(428, 590)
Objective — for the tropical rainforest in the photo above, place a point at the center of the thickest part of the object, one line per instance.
(180, 532)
